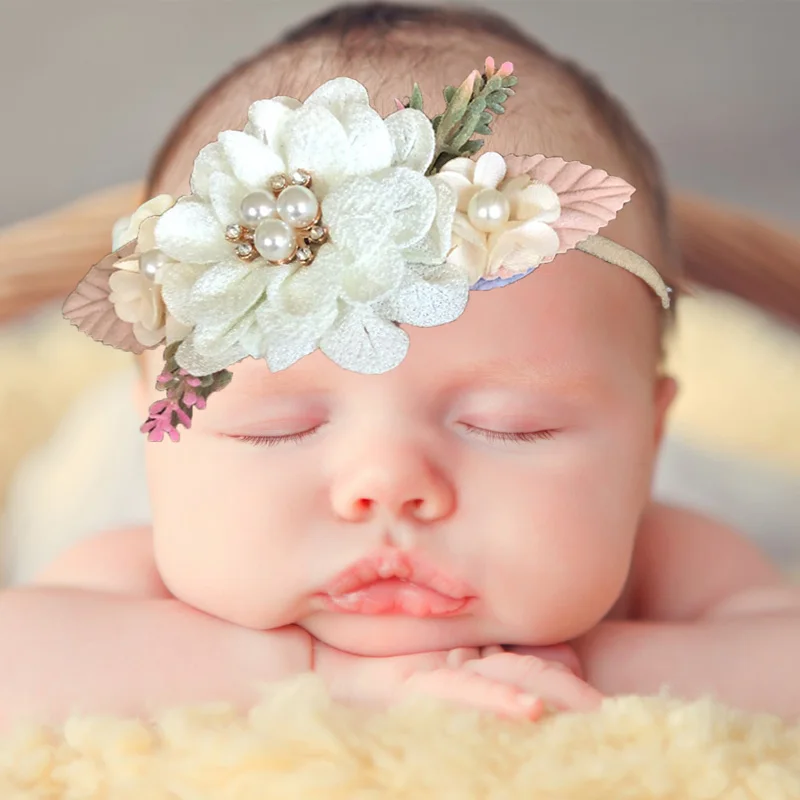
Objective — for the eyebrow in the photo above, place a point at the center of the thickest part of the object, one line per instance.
(516, 373)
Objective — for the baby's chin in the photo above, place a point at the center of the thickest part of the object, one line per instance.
(396, 635)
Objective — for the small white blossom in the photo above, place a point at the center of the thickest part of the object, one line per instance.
(136, 297)
(523, 241)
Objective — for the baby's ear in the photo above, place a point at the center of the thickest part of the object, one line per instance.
(666, 389)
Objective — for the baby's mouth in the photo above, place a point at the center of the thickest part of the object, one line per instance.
(394, 596)
(395, 583)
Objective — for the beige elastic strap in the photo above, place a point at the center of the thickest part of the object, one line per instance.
(608, 250)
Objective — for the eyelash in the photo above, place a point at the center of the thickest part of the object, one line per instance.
(492, 436)
(502, 436)
(272, 441)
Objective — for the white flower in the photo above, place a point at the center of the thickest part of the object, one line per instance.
(127, 228)
(136, 296)
(389, 231)
(520, 235)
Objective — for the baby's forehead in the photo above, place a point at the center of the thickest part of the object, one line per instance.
(570, 325)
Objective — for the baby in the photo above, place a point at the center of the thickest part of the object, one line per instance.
(472, 521)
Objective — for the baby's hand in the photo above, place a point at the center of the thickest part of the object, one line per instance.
(490, 679)
(506, 683)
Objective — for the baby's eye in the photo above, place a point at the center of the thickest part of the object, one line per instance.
(506, 436)
(271, 441)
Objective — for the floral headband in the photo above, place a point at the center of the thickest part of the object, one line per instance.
(323, 226)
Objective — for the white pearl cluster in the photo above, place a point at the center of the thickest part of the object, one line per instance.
(282, 224)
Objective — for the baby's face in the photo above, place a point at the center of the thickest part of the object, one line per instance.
(511, 453)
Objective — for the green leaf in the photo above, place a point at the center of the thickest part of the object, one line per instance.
(455, 110)
(468, 123)
(486, 117)
(222, 379)
(472, 147)
(494, 83)
(499, 97)
(171, 350)
(449, 91)
(416, 98)
(483, 129)
(498, 109)
(511, 80)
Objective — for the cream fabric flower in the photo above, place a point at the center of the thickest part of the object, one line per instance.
(136, 297)
(389, 230)
(520, 241)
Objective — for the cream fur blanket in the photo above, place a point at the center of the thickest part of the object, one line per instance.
(296, 744)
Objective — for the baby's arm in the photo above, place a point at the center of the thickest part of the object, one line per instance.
(120, 562)
(98, 632)
(711, 616)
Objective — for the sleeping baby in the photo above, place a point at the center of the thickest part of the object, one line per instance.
(401, 375)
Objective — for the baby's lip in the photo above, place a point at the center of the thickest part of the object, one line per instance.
(392, 564)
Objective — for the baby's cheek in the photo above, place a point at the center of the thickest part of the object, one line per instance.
(226, 575)
(216, 544)
(563, 557)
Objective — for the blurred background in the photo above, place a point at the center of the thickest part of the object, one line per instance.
(89, 89)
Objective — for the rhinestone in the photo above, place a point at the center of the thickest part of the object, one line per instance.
(246, 252)
(305, 254)
(317, 233)
(301, 178)
(278, 183)
(233, 233)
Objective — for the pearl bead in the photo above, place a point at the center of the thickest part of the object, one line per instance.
(151, 262)
(256, 207)
(275, 240)
(298, 206)
(489, 210)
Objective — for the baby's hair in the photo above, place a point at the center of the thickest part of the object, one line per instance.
(42, 259)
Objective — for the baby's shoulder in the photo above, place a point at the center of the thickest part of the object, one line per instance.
(685, 564)
(120, 561)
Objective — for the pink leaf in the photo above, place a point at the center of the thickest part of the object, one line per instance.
(90, 311)
(590, 198)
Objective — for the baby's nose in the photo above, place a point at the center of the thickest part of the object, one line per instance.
(402, 485)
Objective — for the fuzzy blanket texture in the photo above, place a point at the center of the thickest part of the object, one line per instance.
(297, 744)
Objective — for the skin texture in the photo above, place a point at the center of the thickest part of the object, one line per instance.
(397, 461)
(557, 536)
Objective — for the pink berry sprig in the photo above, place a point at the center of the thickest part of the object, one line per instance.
(185, 393)
(471, 108)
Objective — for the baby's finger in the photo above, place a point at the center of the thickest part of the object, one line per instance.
(476, 691)
(460, 655)
(561, 653)
(556, 685)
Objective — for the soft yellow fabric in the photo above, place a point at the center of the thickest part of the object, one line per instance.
(297, 745)
(739, 374)
(44, 365)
